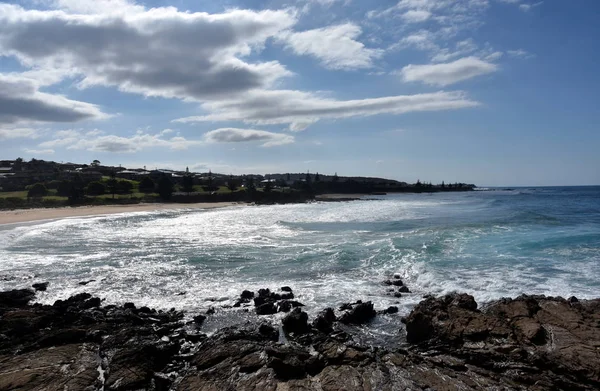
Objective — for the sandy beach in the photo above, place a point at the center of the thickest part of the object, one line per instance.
(29, 215)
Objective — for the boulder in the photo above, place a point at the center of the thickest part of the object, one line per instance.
(266, 309)
(16, 298)
(286, 289)
(247, 295)
(324, 320)
(360, 314)
(40, 286)
(391, 310)
(296, 322)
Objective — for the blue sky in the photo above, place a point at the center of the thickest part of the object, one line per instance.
(492, 92)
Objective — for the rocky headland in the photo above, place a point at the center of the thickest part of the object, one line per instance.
(527, 343)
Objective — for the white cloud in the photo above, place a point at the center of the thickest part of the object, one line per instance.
(335, 46)
(520, 53)
(157, 52)
(528, 7)
(13, 133)
(416, 16)
(71, 139)
(448, 73)
(234, 135)
(96, 6)
(22, 102)
(298, 109)
(37, 152)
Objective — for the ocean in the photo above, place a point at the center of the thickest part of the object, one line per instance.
(491, 244)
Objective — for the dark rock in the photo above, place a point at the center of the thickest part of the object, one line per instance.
(269, 331)
(286, 289)
(264, 292)
(391, 310)
(360, 314)
(247, 295)
(287, 296)
(93, 302)
(266, 309)
(144, 310)
(258, 301)
(404, 289)
(397, 294)
(40, 286)
(573, 299)
(284, 306)
(16, 298)
(199, 319)
(86, 282)
(345, 307)
(465, 301)
(296, 322)
(324, 320)
(395, 282)
(130, 306)
(210, 311)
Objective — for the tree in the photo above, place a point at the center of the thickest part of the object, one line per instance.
(210, 181)
(317, 177)
(95, 188)
(146, 185)
(188, 183)
(111, 184)
(443, 185)
(124, 187)
(232, 184)
(268, 186)
(307, 178)
(165, 187)
(335, 178)
(63, 188)
(37, 190)
(95, 163)
(76, 190)
(250, 186)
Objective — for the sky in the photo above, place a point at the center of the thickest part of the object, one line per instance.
(491, 92)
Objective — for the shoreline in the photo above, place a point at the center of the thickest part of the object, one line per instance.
(17, 216)
(527, 343)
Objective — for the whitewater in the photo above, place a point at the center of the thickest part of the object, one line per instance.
(491, 244)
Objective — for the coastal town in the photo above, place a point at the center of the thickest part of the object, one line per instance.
(43, 183)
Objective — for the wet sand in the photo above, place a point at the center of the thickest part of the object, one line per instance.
(29, 215)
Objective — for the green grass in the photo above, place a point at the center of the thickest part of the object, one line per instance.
(16, 194)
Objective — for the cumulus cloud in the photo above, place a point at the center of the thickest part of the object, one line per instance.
(71, 139)
(447, 73)
(234, 135)
(8, 133)
(335, 46)
(157, 52)
(37, 152)
(22, 102)
(300, 109)
(416, 16)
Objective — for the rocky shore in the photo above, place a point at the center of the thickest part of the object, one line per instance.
(527, 343)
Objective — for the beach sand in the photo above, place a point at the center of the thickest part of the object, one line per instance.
(29, 215)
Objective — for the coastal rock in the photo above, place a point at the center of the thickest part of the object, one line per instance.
(16, 298)
(266, 309)
(556, 341)
(528, 343)
(324, 320)
(296, 322)
(360, 314)
(40, 286)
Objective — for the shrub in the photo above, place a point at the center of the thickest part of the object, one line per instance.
(37, 190)
(95, 188)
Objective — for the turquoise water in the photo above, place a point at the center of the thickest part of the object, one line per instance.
(488, 243)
